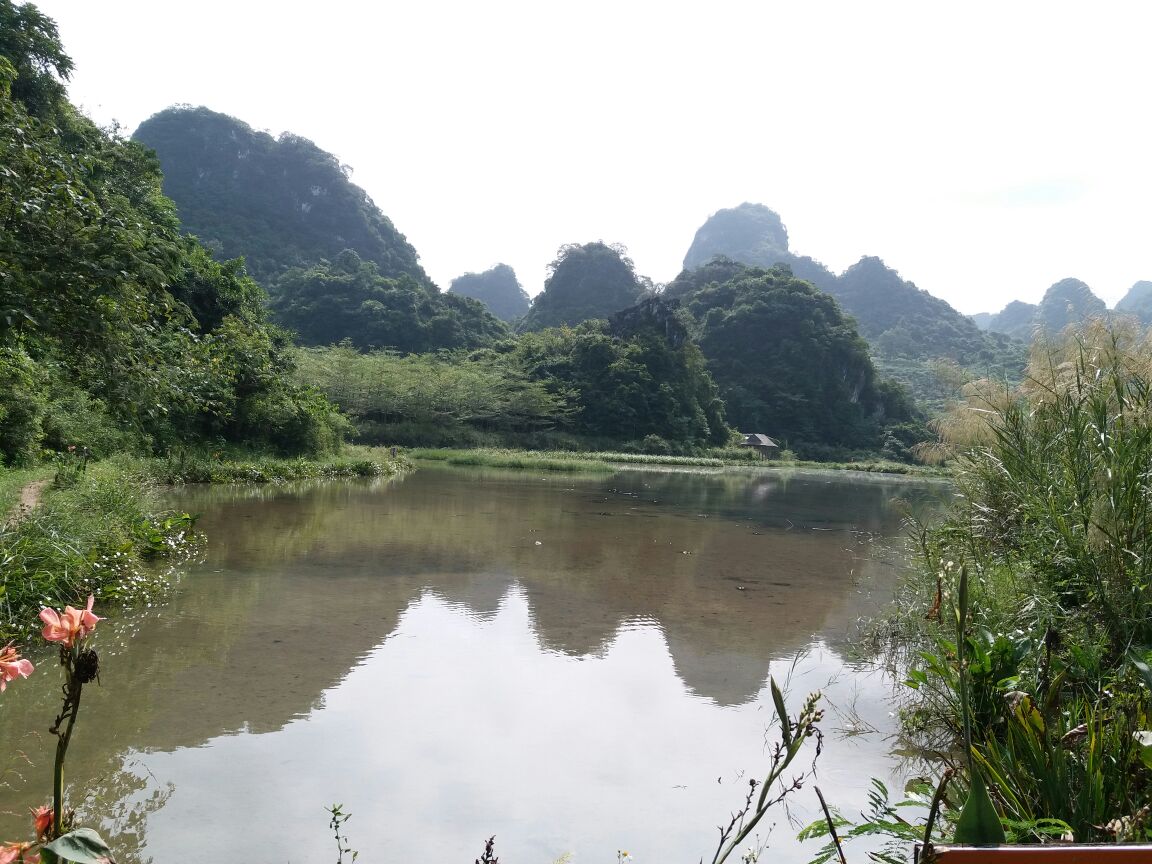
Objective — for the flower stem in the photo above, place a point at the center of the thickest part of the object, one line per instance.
(72, 690)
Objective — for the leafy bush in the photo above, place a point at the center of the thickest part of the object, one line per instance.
(22, 406)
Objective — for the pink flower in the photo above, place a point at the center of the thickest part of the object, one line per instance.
(11, 853)
(68, 628)
(42, 820)
(12, 665)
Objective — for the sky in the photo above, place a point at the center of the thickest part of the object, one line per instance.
(985, 150)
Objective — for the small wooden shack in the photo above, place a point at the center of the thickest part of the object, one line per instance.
(762, 444)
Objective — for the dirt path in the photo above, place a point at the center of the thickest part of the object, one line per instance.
(29, 500)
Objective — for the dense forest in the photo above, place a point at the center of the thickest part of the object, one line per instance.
(117, 332)
(585, 282)
(179, 345)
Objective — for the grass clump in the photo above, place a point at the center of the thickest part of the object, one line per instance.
(201, 466)
(569, 462)
(99, 534)
(1054, 528)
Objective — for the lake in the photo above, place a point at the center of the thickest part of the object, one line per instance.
(574, 663)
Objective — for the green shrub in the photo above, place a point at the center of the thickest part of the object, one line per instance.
(22, 406)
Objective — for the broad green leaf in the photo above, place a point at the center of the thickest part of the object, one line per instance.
(84, 846)
(979, 824)
(1144, 739)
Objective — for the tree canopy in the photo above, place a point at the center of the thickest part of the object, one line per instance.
(786, 361)
(635, 377)
(908, 329)
(348, 299)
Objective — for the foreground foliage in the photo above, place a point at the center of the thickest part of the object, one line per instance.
(116, 333)
(1053, 528)
(96, 532)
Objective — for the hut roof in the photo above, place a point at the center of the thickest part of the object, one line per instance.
(756, 439)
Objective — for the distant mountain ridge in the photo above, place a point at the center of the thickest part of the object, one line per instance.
(498, 289)
(901, 321)
(1069, 301)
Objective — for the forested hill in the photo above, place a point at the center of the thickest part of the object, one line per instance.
(1067, 302)
(753, 234)
(907, 328)
(898, 319)
(1138, 302)
(334, 266)
(278, 202)
(592, 281)
(498, 289)
(903, 321)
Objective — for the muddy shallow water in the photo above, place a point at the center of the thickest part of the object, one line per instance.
(574, 664)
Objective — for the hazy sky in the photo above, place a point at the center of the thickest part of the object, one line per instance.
(984, 150)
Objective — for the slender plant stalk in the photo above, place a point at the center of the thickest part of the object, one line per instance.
(961, 659)
(831, 826)
(72, 691)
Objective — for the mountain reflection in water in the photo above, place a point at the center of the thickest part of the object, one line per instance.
(567, 662)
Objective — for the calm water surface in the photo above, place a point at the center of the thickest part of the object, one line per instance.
(572, 664)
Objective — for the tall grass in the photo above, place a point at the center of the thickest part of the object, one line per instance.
(1054, 525)
(203, 466)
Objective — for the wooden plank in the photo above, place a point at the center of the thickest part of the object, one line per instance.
(1053, 854)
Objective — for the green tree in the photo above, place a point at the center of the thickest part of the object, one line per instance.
(114, 329)
(639, 375)
(30, 42)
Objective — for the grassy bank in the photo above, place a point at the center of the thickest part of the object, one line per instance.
(100, 533)
(604, 461)
(199, 466)
(97, 529)
(536, 461)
